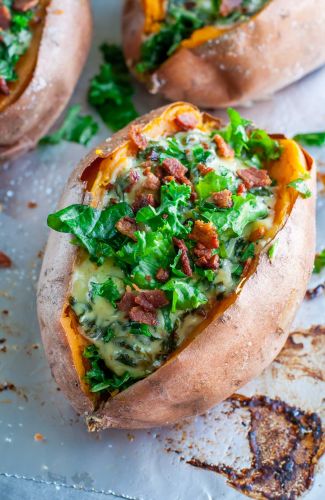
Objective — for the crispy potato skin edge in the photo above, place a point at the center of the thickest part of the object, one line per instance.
(241, 343)
(251, 62)
(25, 121)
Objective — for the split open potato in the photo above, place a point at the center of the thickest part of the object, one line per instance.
(192, 245)
(43, 47)
(216, 54)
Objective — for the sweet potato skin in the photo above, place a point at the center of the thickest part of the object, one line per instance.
(278, 46)
(227, 352)
(62, 53)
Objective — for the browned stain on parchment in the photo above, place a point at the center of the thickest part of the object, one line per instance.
(285, 443)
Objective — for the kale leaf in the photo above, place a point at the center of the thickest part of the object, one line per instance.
(311, 139)
(108, 290)
(185, 294)
(319, 262)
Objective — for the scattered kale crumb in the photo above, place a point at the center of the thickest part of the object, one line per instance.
(272, 250)
(75, 128)
(111, 90)
(319, 262)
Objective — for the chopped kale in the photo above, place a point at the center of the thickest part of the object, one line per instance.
(319, 262)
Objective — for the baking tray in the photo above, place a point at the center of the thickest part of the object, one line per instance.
(149, 465)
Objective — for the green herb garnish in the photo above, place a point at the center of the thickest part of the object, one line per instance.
(319, 262)
(311, 139)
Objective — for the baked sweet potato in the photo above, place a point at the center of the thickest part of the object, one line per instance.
(173, 298)
(213, 62)
(41, 82)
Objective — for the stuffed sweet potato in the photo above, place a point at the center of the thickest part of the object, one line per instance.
(218, 53)
(43, 47)
(191, 251)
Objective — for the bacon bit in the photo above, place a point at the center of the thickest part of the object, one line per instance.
(185, 261)
(254, 177)
(241, 189)
(38, 437)
(162, 275)
(186, 121)
(258, 233)
(127, 302)
(143, 200)
(128, 227)
(228, 6)
(136, 136)
(193, 196)
(224, 150)
(247, 266)
(175, 168)
(147, 169)
(152, 182)
(205, 257)
(148, 278)
(203, 169)
(144, 303)
(134, 176)
(4, 89)
(32, 204)
(5, 17)
(24, 5)
(5, 261)
(223, 199)
(157, 298)
(145, 317)
(205, 233)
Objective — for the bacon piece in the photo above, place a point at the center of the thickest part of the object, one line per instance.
(128, 227)
(224, 150)
(152, 182)
(205, 257)
(143, 200)
(5, 17)
(176, 169)
(127, 302)
(134, 176)
(185, 261)
(205, 233)
(253, 177)
(144, 303)
(145, 317)
(157, 298)
(24, 5)
(228, 6)
(186, 121)
(5, 261)
(223, 199)
(162, 275)
(136, 136)
(203, 169)
(4, 89)
(241, 189)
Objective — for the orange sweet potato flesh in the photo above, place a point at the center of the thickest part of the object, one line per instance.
(241, 335)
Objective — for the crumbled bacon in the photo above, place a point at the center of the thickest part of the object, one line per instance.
(228, 6)
(127, 302)
(223, 199)
(162, 275)
(145, 317)
(186, 121)
(224, 150)
(203, 169)
(205, 257)
(5, 17)
(185, 261)
(253, 177)
(136, 136)
(205, 233)
(241, 189)
(175, 168)
(143, 200)
(5, 261)
(24, 5)
(134, 177)
(128, 227)
(4, 89)
(152, 182)
(150, 300)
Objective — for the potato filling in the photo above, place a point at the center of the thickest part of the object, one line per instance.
(182, 18)
(16, 21)
(180, 219)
